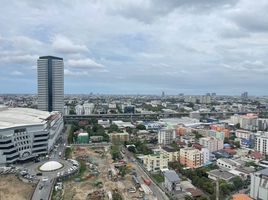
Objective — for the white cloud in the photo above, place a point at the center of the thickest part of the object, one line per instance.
(63, 44)
(86, 63)
(18, 58)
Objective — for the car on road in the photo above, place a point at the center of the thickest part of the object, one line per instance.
(44, 179)
(39, 174)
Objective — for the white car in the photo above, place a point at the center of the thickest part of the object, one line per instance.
(44, 179)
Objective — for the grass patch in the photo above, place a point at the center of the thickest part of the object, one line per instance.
(159, 178)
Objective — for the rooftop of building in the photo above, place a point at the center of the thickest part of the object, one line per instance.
(120, 133)
(228, 161)
(241, 197)
(263, 172)
(83, 134)
(13, 117)
(171, 175)
(217, 173)
(169, 149)
(50, 57)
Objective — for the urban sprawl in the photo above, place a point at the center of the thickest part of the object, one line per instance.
(93, 146)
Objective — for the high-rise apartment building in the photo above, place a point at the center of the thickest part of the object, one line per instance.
(50, 72)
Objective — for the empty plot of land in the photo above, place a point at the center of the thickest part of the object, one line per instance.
(12, 188)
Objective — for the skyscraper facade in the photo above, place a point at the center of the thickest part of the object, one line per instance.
(50, 72)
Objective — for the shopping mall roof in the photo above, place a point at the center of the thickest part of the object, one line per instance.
(12, 117)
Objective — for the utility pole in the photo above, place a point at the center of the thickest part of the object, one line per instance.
(217, 189)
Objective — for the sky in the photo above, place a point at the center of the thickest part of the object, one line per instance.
(137, 46)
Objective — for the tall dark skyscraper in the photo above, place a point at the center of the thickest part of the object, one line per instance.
(50, 72)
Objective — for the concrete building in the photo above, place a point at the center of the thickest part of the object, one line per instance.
(79, 109)
(66, 110)
(119, 137)
(249, 122)
(172, 181)
(261, 142)
(195, 115)
(206, 155)
(228, 164)
(191, 157)
(166, 136)
(50, 72)
(88, 108)
(170, 153)
(262, 124)
(27, 133)
(155, 162)
(259, 185)
(211, 143)
(205, 99)
(82, 138)
(243, 134)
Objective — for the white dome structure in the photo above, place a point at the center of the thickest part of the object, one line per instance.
(50, 166)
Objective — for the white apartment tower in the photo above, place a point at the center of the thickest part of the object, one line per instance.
(50, 72)
(166, 136)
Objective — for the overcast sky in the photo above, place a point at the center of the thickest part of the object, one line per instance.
(137, 46)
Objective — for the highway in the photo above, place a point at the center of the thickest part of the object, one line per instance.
(146, 116)
(158, 193)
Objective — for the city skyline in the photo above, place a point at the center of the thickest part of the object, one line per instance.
(138, 47)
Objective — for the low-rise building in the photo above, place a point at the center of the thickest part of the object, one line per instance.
(172, 181)
(119, 137)
(220, 174)
(155, 162)
(243, 134)
(261, 142)
(170, 153)
(166, 136)
(211, 143)
(259, 185)
(82, 138)
(191, 157)
(228, 164)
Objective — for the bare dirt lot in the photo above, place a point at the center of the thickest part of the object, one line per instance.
(89, 182)
(12, 188)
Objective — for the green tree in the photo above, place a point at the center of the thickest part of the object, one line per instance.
(238, 182)
(117, 196)
(141, 127)
(113, 128)
(237, 126)
(187, 197)
(123, 171)
(115, 152)
(131, 149)
(237, 144)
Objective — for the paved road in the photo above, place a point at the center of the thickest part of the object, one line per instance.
(158, 193)
(44, 188)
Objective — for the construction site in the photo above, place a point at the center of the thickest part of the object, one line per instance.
(101, 178)
(12, 188)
